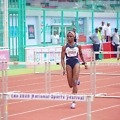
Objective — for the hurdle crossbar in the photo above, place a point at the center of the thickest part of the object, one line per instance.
(46, 96)
(43, 52)
(116, 97)
(104, 95)
(100, 73)
(108, 74)
(23, 63)
(107, 52)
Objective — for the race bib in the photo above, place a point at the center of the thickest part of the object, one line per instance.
(71, 52)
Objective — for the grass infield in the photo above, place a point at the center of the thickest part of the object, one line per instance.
(23, 69)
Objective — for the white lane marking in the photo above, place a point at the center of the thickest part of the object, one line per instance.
(98, 110)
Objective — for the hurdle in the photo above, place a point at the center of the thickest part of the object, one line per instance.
(94, 73)
(3, 69)
(46, 73)
(47, 56)
(43, 96)
(4, 80)
(50, 97)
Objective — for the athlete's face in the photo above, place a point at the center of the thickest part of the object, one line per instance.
(70, 37)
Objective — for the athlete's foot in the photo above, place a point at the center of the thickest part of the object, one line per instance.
(73, 105)
(78, 82)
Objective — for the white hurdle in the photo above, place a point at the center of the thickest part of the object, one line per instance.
(48, 96)
(46, 73)
(4, 80)
(45, 56)
(5, 96)
(94, 73)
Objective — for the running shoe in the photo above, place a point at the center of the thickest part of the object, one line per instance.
(73, 105)
(78, 82)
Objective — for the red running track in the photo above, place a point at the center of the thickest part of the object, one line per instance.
(102, 108)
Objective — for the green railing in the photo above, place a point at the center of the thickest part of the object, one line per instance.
(17, 30)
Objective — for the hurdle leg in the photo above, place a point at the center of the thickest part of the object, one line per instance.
(89, 108)
(3, 89)
(61, 69)
(6, 78)
(46, 75)
(0, 108)
(92, 73)
(5, 107)
(94, 76)
(34, 66)
(91, 76)
(49, 77)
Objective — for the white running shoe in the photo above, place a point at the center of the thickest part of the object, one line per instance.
(77, 82)
(73, 105)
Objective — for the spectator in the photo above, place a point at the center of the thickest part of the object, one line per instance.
(108, 33)
(100, 38)
(103, 31)
(115, 39)
(76, 35)
(96, 43)
(55, 38)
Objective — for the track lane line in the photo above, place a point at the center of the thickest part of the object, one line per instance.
(94, 111)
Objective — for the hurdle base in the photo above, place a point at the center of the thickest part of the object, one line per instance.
(106, 96)
(100, 94)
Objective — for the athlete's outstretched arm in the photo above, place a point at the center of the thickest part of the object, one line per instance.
(63, 59)
(81, 56)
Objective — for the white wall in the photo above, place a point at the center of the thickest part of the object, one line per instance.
(98, 17)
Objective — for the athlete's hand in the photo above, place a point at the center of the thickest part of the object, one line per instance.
(85, 64)
(63, 72)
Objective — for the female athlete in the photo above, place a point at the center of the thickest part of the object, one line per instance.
(72, 51)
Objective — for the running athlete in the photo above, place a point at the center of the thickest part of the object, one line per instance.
(72, 66)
